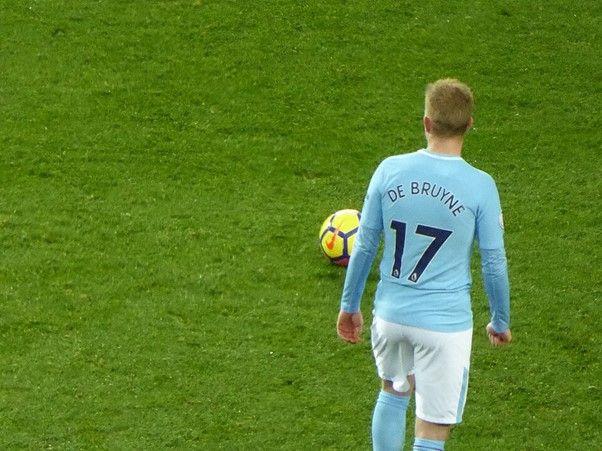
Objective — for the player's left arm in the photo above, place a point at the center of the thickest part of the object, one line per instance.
(490, 234)
(350, 321)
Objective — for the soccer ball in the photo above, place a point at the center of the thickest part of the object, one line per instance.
(337, 235)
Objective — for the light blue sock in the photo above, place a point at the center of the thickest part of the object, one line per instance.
(425, 444)
(389, 422)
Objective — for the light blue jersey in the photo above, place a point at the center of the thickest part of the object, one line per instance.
(430, 208)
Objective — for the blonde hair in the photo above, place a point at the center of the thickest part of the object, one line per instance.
(449, 104)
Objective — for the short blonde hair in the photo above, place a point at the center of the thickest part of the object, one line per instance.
(449, 104)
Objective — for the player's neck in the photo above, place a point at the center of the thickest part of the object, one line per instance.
(445, 146)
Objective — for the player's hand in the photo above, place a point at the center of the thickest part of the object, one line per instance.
(498, 339)
(349, 326)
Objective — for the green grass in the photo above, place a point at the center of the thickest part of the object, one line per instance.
(165, 167)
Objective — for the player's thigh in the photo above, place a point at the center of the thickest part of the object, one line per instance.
(441, 366)
(393, 353)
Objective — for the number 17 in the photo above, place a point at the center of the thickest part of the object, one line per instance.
(439, 235)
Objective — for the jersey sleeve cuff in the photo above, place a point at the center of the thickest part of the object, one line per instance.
(499, 327)
(349, 308)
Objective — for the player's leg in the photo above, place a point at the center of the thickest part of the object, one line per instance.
(393, 356)
(389, 418)
(430, 436)
(433, 431)
(441, 362)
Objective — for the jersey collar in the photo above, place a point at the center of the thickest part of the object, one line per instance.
(439, 156)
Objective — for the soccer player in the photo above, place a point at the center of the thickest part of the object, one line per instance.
(430, 205)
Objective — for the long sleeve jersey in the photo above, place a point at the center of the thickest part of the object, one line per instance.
(430, 208)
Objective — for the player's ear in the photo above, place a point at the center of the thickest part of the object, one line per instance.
(470, 123)
(428, 124)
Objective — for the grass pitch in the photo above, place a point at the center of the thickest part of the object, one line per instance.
(165, 168)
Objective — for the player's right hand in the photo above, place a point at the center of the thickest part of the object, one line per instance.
(349, 326)
(497, 338)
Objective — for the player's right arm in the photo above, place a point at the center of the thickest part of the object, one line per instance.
(490, 235)
(365, 247)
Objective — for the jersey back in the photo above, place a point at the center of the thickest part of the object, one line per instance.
(429, 208)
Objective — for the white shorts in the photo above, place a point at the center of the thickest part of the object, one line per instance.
(440, 363)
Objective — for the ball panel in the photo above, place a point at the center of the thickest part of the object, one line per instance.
(345, 220)
(350, 243)
(351, 232)
(332, 243)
